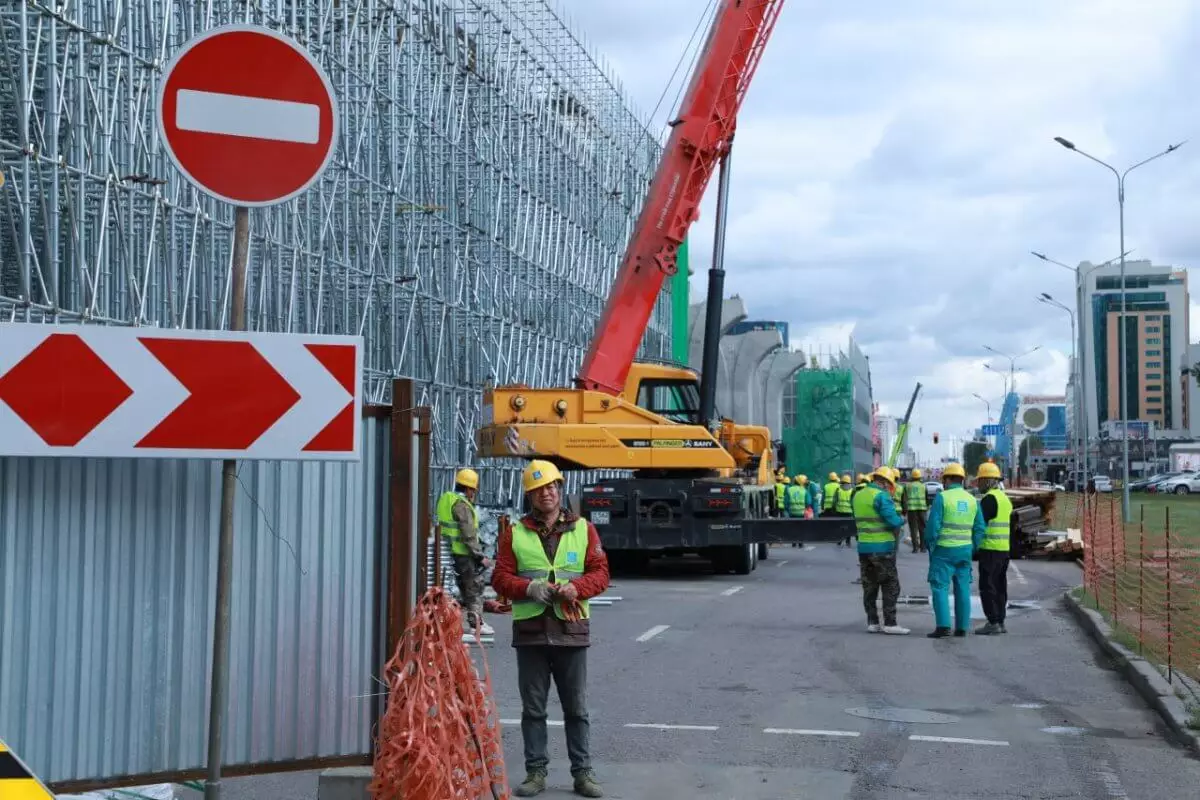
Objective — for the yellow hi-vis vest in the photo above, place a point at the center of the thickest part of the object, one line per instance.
(445, 515)
(780, 491)
(915, 494)
(842, 505)
(870, 526)
(533, 564)
(830, 496)
(997, 535)
(795, 500)
(958, 517)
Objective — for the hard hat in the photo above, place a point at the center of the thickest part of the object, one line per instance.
(862, 478)
(886, 473)
(467, 477)
(538, 474)
(803, 478)
(916, 474)
(954, 470)
(833, 476)
(785, 479)
(846, 478)
(988, 469)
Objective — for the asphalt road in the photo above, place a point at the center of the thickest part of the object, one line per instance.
(768, 686)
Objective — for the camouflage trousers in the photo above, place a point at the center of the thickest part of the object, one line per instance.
(879, 573)
(469, 577)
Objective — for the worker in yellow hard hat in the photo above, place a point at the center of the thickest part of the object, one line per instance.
(953, 532)
(550, 563)
(878, 525)
(458, 519)
(829, 493)
(994, 552)
(916, 504)
(781, 484)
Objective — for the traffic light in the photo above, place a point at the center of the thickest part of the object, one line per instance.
(935, 438)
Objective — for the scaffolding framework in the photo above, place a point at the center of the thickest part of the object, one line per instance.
(486, 180)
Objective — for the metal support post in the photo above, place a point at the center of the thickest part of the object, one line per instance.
(219, 685)
(712, 313)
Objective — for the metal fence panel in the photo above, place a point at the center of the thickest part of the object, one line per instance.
(107, 575)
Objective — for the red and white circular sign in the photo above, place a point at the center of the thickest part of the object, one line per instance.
(247, 115)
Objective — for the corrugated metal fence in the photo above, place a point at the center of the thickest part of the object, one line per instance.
(107, 574)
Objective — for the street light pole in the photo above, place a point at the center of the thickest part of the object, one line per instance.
(1014, 467)
(989, 406)
(1126, 509)
(1081, 381)
(1048, 300)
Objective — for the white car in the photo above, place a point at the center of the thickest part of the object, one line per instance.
(1103, 483)
(1186, 483)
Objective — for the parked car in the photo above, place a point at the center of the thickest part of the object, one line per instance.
(931, 489)
(1144, 484)
(1103, 483)
(1184, 483)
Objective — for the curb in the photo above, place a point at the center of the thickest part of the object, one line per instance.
(1141, 674)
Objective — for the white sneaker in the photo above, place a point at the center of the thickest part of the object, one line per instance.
(896, 630)
(874, 628)
(487, 630)
(468, 638)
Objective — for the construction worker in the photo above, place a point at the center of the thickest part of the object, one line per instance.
(877, 522)
(811, 503)
(995, 550)
(781, 484)
(829, 493)
(549, 565)
(795, 499)
(915, 506)
(954, 531)
(841, 504)
(459, 521)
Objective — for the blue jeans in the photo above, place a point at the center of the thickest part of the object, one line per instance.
(951, 565)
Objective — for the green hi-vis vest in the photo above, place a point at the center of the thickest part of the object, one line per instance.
(958, 517)
(915, 493)
(997, 535)
(445, 515)
(870, 526)
(897, 496)
(533, 564)
(830, 496)
(780, 491)
(842, 504)
(795, 500)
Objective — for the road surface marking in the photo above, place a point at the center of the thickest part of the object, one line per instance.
(554, 723)
(665, 727)
(250, 117)
(780, 563)
(650, 634)
(732, 591)
(808, 732)
(954, 740)
(1020, 575)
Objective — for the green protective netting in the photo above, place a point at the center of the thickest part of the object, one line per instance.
(820, 440)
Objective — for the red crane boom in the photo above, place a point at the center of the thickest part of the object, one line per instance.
(699, 137)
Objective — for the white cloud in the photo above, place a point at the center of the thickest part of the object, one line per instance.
(894, 166)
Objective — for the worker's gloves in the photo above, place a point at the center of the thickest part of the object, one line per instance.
(540, 591)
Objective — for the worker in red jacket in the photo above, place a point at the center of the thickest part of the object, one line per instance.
(549, 565)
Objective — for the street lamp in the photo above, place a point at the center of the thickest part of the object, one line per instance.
(1050, 301)
(989, 407)
(1012, 428)
(1126, 509)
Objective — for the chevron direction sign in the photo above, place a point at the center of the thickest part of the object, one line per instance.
(89, 390)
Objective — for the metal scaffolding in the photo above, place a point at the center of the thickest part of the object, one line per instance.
(484, 185)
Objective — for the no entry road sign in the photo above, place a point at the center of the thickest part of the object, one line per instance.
(247, 115)
(83, 390)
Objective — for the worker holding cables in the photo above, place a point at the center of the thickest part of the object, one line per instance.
(549, 564)
(458, 519)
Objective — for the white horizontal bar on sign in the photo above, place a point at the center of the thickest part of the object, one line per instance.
(249, 117)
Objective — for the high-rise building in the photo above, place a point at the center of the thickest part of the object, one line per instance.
(1156, 335)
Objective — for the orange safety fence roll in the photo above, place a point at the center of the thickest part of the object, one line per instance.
(439, 738)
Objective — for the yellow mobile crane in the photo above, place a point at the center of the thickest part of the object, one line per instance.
(700, 483)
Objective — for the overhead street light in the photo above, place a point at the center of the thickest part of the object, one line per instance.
(1012, 426)
(1050, 301)
(1126, 509)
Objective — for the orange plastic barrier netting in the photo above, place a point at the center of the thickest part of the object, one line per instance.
(1145, 578)
(439, 738)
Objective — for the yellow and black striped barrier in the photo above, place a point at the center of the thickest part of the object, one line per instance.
(16, 781)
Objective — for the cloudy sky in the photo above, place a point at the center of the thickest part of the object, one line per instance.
(895, 164)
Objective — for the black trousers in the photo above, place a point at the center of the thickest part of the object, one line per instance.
(993, 584)
(536, 665)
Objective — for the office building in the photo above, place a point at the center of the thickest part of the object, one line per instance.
(1156, 338)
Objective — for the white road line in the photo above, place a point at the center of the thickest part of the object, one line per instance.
(650, 634)
(808, 732)
(250, 117)
(954, 740)
(554, 723)
(665, 727)
(780, 563)
(732, 591)
(1020, 575)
